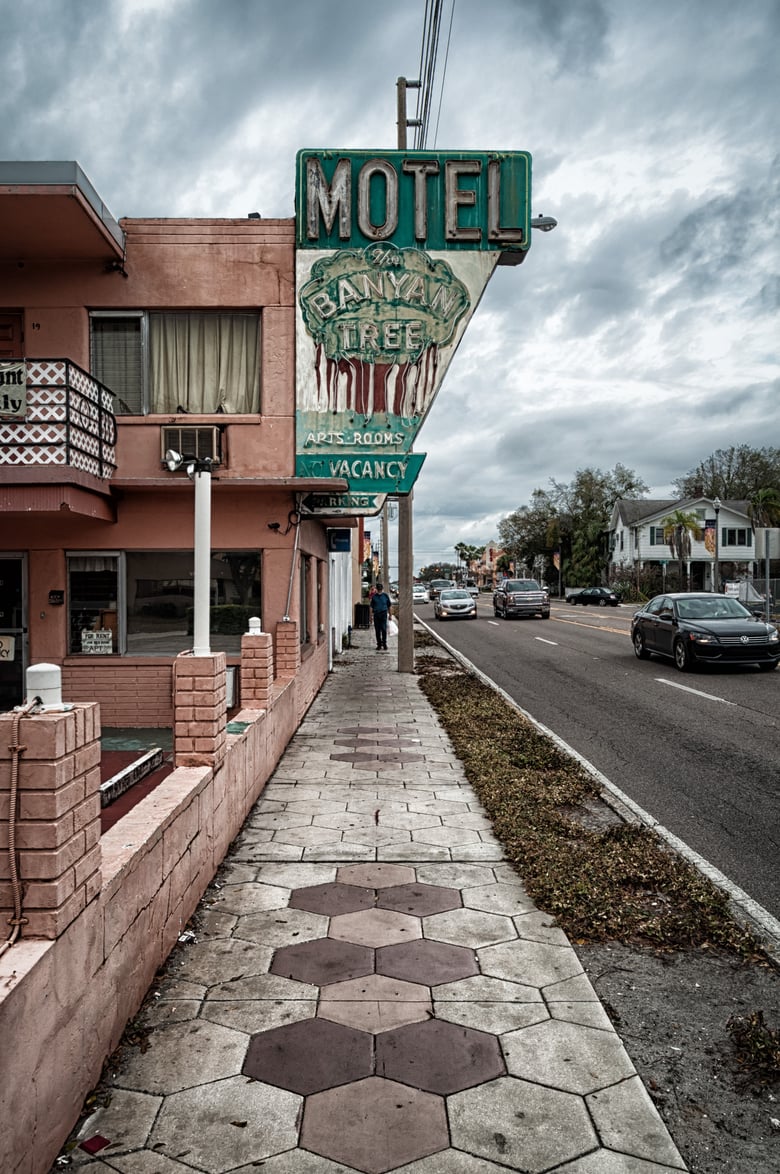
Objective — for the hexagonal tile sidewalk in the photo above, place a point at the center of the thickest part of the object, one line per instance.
(372, 990)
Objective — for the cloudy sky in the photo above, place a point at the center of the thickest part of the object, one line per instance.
(644, 329)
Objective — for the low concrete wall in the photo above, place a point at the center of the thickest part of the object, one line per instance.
(65, 1003)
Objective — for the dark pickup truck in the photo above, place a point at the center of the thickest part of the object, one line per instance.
(521, 597)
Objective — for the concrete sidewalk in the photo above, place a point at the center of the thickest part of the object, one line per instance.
(371, 988)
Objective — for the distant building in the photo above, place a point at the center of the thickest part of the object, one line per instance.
(637, 541)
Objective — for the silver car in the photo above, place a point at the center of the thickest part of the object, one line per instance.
(455, 603)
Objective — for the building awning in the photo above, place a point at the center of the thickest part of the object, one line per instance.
(55, 499)
(51, 212)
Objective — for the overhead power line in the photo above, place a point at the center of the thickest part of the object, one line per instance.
(429, 52)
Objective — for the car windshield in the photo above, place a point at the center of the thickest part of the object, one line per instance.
(716, 607)
(455, 594)
(522, 585)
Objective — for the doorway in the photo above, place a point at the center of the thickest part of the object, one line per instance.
(11, 335)
(13, 629)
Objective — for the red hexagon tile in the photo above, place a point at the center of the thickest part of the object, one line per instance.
(438, 1057)
(419, 900)
(431, 963)
(374, 1125)
(309, 1056)
(332, 899)
(323, 961)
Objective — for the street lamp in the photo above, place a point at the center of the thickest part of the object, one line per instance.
(716, 504)
(198, 469)
(544, 223)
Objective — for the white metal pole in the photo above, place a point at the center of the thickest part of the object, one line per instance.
(202, 573)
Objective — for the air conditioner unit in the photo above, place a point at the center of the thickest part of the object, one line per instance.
(201, 442)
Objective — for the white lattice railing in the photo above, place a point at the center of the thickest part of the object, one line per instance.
(69, 420)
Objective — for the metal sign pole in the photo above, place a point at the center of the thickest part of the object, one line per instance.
(405, 540)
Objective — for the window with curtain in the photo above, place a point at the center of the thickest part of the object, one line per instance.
(204, 363)
(197, 362)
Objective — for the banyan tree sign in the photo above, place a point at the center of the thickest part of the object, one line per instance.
(394, 251)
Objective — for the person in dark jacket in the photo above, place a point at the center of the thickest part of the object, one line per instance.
(380, 609)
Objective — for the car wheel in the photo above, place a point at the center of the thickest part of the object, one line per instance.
(602, 603)
(768, 666)
(573, 601)
(639, 647)
(682, 657)
(545, 615)
(505, 614)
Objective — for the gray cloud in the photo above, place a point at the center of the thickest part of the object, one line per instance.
(643, 330)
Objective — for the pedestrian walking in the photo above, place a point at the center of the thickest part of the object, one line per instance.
(380, 609)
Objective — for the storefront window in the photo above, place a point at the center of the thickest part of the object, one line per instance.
(93, 604)
(141, 603)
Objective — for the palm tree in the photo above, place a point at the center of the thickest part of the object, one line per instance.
(764, 507)
(764, 510)
(679, 528)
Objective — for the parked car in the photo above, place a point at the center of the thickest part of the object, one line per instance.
(437, 585)
(521, 597)
(420, 593)
(694, 628)
(601, 596)
(454, 603)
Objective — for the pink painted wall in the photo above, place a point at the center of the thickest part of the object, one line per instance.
(64, 1004)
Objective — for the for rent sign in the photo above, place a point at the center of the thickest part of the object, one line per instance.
(394, 250)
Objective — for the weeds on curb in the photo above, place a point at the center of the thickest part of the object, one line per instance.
(758, 1048)
(619, 883)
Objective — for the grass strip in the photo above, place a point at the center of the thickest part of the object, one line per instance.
(620, 883)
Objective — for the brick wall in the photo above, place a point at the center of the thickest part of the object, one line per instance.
(200, 707)
(57, 831)
(257, 670)
(133, 691)
(287, 658)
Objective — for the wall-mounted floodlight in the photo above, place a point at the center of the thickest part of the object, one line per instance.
(173, 460)
(544, 223)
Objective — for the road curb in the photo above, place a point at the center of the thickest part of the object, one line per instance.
(742, 906)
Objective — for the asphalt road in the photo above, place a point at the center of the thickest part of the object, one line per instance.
(698, 751)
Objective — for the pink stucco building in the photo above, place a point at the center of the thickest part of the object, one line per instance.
(135, 337)
(120, 341)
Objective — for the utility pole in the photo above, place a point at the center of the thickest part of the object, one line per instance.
(405, 537)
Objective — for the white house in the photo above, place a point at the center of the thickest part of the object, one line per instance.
(726, 550)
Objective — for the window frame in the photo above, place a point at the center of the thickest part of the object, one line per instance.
(145, 316)
(121, 610)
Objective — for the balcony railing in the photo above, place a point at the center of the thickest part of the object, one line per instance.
(68, 420)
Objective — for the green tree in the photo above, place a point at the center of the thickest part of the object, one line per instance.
(584, 509)
(679, 527)
(437, 571)
(733, 474)
(529, 531)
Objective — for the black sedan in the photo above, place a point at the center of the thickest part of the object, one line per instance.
(695, 628)
(601, 596)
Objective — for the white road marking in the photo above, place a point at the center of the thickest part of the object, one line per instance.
(494, 623)
(542, 640)
(698, 692)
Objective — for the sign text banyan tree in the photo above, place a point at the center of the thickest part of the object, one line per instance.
(394, 250)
